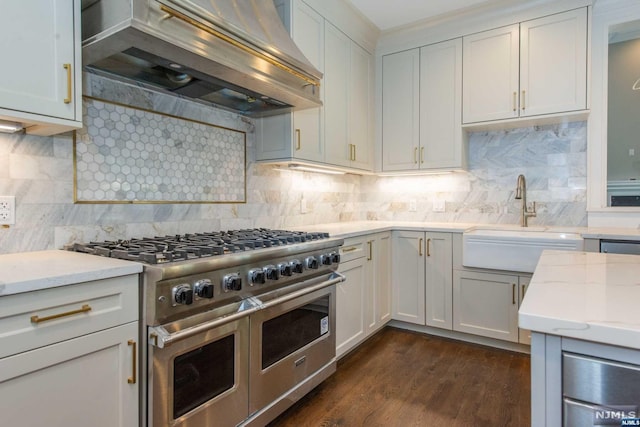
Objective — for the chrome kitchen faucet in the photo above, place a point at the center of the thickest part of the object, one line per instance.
(521, 193)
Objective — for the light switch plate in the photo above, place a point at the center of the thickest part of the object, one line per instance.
(413, 205)
(7, 210)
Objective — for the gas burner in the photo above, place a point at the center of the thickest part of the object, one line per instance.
(164, 249)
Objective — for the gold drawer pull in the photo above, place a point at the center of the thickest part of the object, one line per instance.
(67, 67)
(134, 361)
(351, 249)
(37, 319)
(298, 139)
(370, 243)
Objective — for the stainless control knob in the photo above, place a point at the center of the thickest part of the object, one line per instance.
(325, 259)
(285, 269)
(256, 277)
(335, 257)
(296, 266)
(311, 262)
(203, 288)
(232, 282)
(271, 272)
(182, 294)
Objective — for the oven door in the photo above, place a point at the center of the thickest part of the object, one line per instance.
(290, 341)
(202, 380)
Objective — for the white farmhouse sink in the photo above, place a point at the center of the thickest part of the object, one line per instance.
(513, 250)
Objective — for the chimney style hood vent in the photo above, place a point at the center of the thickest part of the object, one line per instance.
(232, 53)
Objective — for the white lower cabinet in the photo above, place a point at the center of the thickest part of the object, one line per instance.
(487, 304)
(363, 301)
(86, 381)
(524, 334)
(408, 276)
(439, 281)
(350, 310)
(69, 355)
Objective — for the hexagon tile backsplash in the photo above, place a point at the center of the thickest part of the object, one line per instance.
(130, 155)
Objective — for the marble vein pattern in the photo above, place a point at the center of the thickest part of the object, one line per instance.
(590, 296)
(39, 172)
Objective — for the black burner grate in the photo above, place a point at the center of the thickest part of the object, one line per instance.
(158, 250)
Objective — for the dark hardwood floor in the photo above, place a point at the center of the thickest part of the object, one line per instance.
(401, 378)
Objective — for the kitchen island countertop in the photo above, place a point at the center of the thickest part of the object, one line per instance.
(32, 271)
(585, 295)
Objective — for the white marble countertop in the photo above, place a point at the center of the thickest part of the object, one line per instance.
(585, 295)
(32, 271)
(358, 228)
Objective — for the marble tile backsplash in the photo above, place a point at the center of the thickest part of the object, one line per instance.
(39, 172)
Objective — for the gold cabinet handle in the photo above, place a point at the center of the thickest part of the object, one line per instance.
(67, 67)
(37, 319)
(351, 249)
(370, 243)
(420, 247)
(134, 362)
(421, 154)
(415, 155)
(428, 247)
(515, 101)
(513, 293)
(522, 100)
(354, 152)
(298, 139)
(524, 289)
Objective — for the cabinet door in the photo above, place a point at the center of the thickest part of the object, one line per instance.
(38, 69)
(336, 91)
(439, 280)
(408, 277)
(381, 261)
(553, 63)
(400, 110)
(361, 108)
(490, 75)
(350, 301)
(524, 334)
(440, 105)
(486, 304)
(308, 33)
(74, 383)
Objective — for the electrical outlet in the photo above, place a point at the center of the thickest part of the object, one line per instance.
(7, 210)
(438, 205)
(413, 205)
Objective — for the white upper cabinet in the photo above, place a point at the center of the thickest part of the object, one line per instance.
(421, 108)
(401, 110)
(491, 62)
(296, 135)
(40, 82)
(553, 63)
(336, 100)
(533, 68)
(441, 106)
(338, 133)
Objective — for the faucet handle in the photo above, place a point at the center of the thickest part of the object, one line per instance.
(531, 212)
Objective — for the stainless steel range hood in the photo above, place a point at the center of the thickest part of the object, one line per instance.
(232, 53)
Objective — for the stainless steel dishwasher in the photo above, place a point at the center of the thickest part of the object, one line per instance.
(631, 247)
(598, 391)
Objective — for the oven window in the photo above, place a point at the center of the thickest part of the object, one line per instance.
(202, 374)
(294, 329)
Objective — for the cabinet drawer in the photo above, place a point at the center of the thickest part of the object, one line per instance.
(354, 248)
(35, 319)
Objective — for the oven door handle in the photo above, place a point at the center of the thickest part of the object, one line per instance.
(159, 337)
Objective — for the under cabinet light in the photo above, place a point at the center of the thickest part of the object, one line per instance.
(296, 167)
(10, 127)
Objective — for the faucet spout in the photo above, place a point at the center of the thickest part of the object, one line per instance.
(521, 194)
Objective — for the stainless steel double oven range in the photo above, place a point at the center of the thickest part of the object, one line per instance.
(240, 324)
